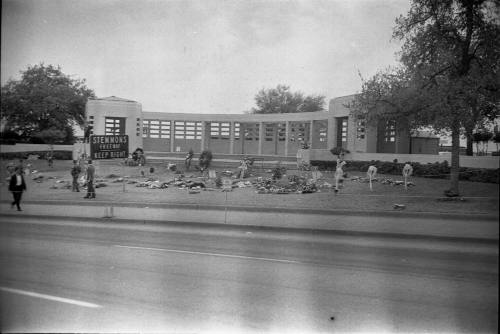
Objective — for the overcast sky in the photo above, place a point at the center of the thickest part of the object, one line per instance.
(202, 56)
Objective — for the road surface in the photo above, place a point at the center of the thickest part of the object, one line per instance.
(70, 276)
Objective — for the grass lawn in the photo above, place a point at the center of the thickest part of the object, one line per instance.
(423, 197)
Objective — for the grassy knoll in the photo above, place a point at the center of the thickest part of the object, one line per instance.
(423, 197)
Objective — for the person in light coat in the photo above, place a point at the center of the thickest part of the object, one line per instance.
(90, 180)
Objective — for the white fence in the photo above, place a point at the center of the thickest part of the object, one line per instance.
(490, 162)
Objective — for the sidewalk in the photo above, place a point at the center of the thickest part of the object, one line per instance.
(382, 223)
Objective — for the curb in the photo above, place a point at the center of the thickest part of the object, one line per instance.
(343, 212)
(332, 232)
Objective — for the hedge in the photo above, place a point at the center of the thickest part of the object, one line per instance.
(431, 170)
(58, 155)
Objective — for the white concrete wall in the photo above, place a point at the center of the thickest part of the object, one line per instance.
(79, 149)
(337, 105)
(33, 147)
(371, 138)
(490, 162)
(131, 110)
(353, 144)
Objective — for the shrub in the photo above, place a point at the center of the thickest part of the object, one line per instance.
(439, 170)
(205, 159)
(496, 140)
(9, 137)
(36, 140)
(218, 181)
(339, 151)
(277, 172)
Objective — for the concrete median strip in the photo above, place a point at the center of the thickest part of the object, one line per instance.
(394, 224)
(49, 297)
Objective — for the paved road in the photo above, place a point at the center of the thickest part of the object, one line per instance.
(81, 276)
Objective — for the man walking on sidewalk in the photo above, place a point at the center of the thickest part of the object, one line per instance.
(90, 180)
(75, 173)
(17, 186)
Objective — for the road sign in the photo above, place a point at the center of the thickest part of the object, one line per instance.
(227, 184)
(109, 147)
(316, 175)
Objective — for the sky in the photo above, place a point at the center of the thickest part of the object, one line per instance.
(202, 56)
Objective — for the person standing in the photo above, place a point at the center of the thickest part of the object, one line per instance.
(75, 173)
(50, 159)
(339, 175)
(79, 154)
(300, 159)
(189, 157)
(244, 167)
(90, 180)
(17, 186)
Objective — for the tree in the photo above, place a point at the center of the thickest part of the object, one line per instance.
(496, 139)
(205, 159)
(448, 76)
(486, 136)
(51, 136)
(281, 100)
(477, 137)
(44, 98)
(9, 137)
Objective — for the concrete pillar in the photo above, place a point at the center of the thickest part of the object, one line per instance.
(231, 138)
(371, 138)
(172, 135)
(261, 137)
(397, 139)
(352, 125)
(332, 133)
(203, 135)
(311, 134)
(242, 137)
(287, 136)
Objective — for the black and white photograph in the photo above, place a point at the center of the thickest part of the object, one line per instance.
(249, 166)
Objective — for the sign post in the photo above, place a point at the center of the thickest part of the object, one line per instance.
(227, 184)
(109, 147)
(123, 175)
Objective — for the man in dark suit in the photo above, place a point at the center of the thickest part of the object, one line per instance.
(17, 186)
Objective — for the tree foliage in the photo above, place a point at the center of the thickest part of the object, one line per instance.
(448, 76)
(496, 139)
(483, 136)
(281, 100)
(51, 136)
(205, 159)
(44, 98)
